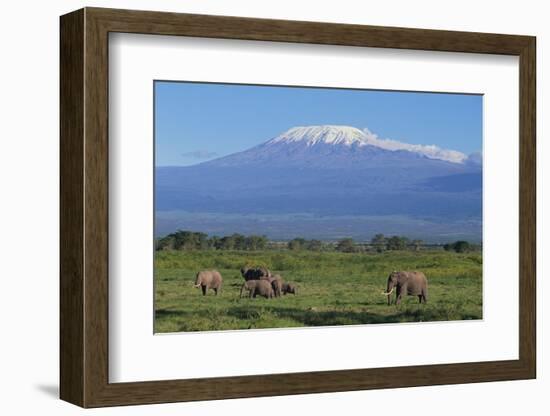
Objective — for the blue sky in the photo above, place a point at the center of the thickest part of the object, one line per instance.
(195, 122)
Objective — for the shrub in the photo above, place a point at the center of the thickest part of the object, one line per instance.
(458, 246)
(397, 243)
(346, 245)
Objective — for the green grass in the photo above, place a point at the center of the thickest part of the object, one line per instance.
(333, 289)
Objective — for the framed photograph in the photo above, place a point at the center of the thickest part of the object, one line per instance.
(254, 207)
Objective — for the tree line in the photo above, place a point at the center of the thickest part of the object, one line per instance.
(191, 240)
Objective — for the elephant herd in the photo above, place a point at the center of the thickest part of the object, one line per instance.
(259, 281)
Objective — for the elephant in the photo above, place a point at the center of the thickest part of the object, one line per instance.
(254, 273)
(265, 271)
(257, 287)
(288, 288)
(407, 283)
(271, 277)
(209, 279)
(276, 284)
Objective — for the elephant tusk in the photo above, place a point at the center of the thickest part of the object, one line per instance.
(197, 285)
(388, 293)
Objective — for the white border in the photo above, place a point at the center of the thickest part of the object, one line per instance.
(135, 354)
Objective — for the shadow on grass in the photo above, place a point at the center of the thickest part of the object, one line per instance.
(308, 317)
(273, 316)
(168, 314)
(436, 314)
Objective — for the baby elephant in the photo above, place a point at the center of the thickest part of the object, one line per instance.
(257, 288)
(288, 288)
(209, 279)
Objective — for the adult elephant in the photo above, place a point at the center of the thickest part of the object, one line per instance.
(407, 283)
(255, 273)
(209, 279)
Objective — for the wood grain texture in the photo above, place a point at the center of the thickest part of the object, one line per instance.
(71, 100)
(162, 23)
(527, 208)
(96, 208)
(84, 207)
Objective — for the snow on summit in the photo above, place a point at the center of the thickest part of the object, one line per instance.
(348, 136)
(322, 134)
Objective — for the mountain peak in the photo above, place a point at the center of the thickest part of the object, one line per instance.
(327, 134)
(351, 136)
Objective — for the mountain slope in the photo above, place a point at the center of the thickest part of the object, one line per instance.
(325, 171)
(336, 146)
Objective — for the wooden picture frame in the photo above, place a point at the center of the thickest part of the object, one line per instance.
(84, 207)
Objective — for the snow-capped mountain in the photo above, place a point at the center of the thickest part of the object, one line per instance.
(336, 147)
(328, 172)
(351, 136)
(312, 135)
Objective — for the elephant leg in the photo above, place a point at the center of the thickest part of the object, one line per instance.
(216, 291)
(424, 296)
(399, 296)
(419, 298)
(203, 287)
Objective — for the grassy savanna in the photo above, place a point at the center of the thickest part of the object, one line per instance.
(334, 288)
